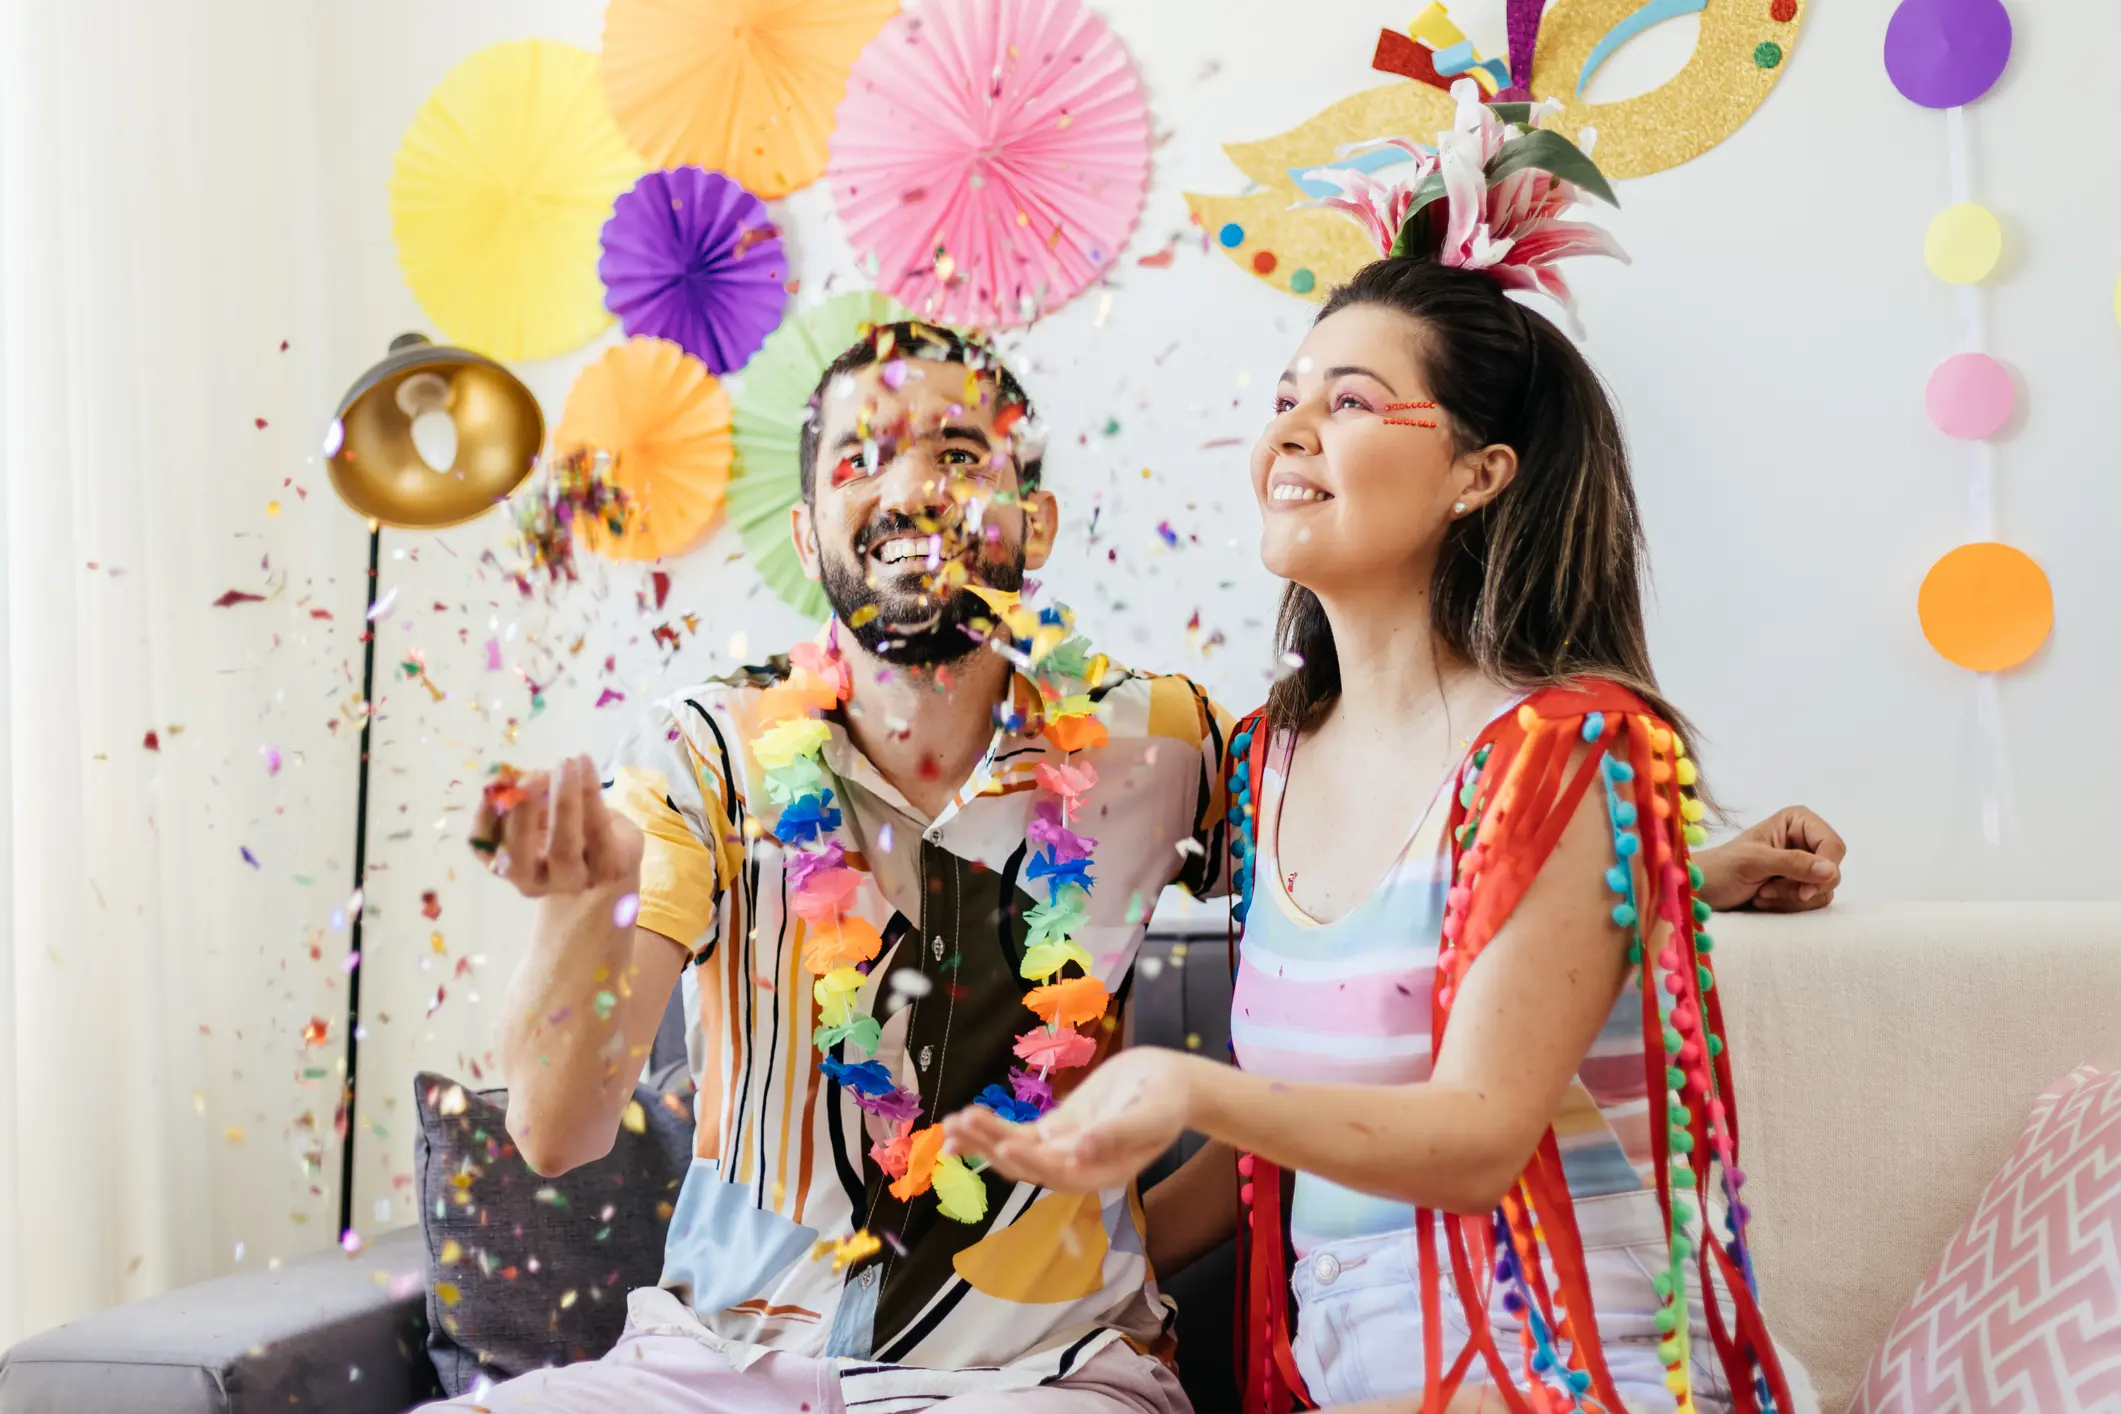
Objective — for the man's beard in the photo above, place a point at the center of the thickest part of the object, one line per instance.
(911, 628)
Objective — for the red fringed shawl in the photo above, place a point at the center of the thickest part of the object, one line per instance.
(1520, 787)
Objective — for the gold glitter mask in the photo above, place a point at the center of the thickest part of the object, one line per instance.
(1743, 48)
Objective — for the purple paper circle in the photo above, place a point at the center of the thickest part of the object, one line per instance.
(1971, 396)
(1942, 53)
(691, 257)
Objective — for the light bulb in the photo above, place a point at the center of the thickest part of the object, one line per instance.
(434, 437)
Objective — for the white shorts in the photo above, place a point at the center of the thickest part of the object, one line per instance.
(1359, 1328)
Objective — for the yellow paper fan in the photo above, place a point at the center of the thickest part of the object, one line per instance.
(501, 188)
(663, 419)
(743, 87)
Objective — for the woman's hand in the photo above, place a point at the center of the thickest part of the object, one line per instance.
(1124, 1114)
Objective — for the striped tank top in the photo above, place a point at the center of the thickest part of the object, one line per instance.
(1349, 1002)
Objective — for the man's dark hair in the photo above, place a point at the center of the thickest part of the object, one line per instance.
(913, 339)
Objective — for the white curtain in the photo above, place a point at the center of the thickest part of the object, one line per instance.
(160, 238)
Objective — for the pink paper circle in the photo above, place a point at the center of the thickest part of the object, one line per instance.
(990, 157)
(1970, 395)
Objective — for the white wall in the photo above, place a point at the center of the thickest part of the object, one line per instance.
(1768, 347)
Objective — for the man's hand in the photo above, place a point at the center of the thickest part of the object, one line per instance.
(1788, 863)
(559, 838)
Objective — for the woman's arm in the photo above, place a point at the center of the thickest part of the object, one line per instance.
(1523, 1021)
(1192, 1212)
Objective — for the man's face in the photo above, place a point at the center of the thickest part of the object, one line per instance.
(917, 497)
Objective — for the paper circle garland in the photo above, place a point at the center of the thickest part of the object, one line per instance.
(991, 157)
(499, 189)
(1970, 396)
(664, 421)
(745, 87)
(769, 428)
(690, 256)
(1987, 607)
(1963, 244)
(1944, 53)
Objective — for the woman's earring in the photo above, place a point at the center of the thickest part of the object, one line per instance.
(1459, 509)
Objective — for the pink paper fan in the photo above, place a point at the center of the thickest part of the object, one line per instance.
(991, 157)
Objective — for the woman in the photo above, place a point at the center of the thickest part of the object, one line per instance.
(1447, 1064)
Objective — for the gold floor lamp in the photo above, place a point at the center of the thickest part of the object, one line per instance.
(432, 436)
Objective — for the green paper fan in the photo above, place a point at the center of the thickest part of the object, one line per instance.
(768, 432)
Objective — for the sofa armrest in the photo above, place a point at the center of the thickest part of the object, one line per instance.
(327, 1334)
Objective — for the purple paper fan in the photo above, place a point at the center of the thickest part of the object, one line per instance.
(690, 256)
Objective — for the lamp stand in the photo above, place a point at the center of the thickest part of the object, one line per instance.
(350, 1090)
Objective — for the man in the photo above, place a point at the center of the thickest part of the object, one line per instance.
(921, 485)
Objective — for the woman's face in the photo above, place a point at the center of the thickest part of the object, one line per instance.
(1357, 474)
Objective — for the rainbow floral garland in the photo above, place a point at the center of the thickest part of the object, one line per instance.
(839, 946)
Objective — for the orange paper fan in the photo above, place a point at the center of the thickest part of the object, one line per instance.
(743, 87)
(663, 419)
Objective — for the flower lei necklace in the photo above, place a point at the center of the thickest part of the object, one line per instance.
(839, 946)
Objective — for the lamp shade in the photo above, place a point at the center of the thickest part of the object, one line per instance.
(432, 436)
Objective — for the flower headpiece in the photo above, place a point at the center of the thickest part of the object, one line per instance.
(1488, 196)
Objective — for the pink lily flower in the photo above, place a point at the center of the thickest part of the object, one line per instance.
(1055, 1050)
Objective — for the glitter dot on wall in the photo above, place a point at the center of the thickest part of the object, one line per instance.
(1768, 54)
(1264, 263)
(1303, 281)
(1783, 11)
(1231, 235)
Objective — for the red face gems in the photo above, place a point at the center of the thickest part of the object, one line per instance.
(1408, 421)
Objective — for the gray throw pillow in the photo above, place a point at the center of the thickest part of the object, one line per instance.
(526, 1272)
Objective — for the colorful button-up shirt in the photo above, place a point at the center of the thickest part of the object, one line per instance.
(1044, 1280)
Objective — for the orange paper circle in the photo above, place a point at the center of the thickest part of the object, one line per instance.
(663, 419)
(1987, 607)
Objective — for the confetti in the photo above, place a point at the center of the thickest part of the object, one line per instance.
(626, 910)
(238, 596)
(248, 857)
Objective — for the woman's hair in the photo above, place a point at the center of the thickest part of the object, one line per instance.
(1545, 582)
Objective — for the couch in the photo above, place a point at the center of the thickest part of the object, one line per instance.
(1886, 1058)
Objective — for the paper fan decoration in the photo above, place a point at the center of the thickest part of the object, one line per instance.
(769, 429)
(991, 157)
(664, 421)
(745, 87)
(500, 187)
(689, 256)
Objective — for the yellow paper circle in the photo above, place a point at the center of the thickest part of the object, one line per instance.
(663, 419)
(1964, 243)
(500, 191)
(744, 87)
(1987, 607)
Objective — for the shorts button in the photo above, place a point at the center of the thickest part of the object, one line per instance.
(1326, 1268)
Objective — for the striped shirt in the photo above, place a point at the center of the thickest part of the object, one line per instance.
(1350, 1002)
(1045, 1280)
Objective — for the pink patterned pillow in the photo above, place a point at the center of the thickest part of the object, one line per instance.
(2022, 1313)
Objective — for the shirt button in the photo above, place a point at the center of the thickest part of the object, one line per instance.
(868, 1276)
(933, 836)
(1326, 1268)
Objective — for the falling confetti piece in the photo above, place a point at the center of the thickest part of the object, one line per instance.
(261, 423)
(272, 762)
(610, 696)
(248, 857)
(382, 607)
(272, 508)
(238, 596)
(626, 910)
(430, 904)
(151, 741)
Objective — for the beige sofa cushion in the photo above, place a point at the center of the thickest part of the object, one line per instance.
(1886, 1058)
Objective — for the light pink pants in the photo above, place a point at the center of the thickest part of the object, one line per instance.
(650, 1372)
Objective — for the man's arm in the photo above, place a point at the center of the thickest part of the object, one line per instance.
(1788, 863)
(582, 1009)
(1192, 1212)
